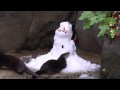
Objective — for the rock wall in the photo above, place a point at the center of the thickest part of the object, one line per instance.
(87, 39)
(30, 29)
(110, 58)
(14, 26)
(35, 29)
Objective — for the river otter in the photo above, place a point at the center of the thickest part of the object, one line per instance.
(15, 64)
(53, 66)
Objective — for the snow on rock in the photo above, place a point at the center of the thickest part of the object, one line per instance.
(63, 43)
(85, 76)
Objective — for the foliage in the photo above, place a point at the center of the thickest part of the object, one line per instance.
(103, 19)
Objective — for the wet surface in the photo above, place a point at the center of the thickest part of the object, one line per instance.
(93, 57)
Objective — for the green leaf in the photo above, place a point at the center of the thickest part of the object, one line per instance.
(86, 14)
(86, 25)
(113, 33)
(110, 20)
(101, 17)
(107, 13)
(98, 12)
(101, 33)
(93, 20)
(103, 29)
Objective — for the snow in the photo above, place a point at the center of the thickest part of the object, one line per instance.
(85, 76)
(63, 43)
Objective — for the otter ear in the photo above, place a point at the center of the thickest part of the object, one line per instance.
(67, 53)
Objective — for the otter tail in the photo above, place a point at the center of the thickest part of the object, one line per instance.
(38, 73)
(28, 71)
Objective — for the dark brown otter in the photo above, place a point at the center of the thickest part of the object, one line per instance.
(53, 66)
(15, 64)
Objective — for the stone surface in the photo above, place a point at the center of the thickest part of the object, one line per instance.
(14, 26)
(30, 29)
(110, 58)
(35, 29)
(43, 27)
(115, 72)
(87, 39)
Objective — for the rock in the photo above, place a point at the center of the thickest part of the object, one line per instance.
(9, 74)
(35, 29)
(115, 72)
(43, 27)
(30, 29)
(110, 58)
(87, 39)
(14, 26)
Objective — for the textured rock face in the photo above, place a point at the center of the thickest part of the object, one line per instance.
(35, 29)
(110, 58)
(87, 39)
(30, 29)
(44, 25)
(14, 26)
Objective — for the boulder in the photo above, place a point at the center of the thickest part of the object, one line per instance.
(43, 27)
(14, 26)
(87, 39)
(110, 58)
(30, 29)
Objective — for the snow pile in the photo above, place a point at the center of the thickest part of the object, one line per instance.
(63, 43)
(85, 76)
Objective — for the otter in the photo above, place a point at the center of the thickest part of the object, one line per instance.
(13, 63)
(53, 66)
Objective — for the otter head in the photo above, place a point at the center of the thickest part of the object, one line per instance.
(66, 55)
(63, 57)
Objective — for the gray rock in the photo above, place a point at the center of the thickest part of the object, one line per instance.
(14, 26)
(110, 58)
(87, 39)
(30, 29)
(43, 27)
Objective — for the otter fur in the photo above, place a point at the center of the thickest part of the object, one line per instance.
(15, 64)
(53, 66)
